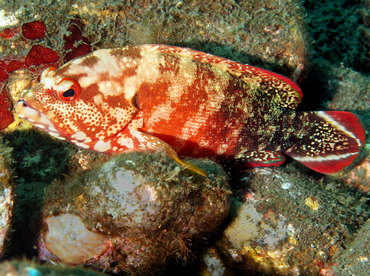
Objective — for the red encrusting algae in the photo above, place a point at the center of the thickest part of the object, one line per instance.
(37, 57)
(75, 43)
(34, 30)
(9, 33)
(6, 116)
(40, 55)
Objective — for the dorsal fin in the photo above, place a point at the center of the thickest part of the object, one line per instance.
(282, 90)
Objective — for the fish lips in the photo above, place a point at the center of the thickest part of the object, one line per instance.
(26, 111)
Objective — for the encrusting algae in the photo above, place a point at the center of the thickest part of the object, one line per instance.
(134, 212)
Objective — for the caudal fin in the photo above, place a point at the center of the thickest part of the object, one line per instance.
(330, 140)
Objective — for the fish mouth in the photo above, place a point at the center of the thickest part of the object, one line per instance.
(26, 111)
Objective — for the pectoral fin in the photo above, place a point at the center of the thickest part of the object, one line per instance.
(149, 142)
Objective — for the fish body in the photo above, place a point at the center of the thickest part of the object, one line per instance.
(160, 97)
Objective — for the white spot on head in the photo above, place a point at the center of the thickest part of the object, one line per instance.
(48, 80)
(108, 86)
(105, 64)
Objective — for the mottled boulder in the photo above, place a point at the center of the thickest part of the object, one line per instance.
(136, 213)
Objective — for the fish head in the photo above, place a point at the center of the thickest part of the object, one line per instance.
(70, 103)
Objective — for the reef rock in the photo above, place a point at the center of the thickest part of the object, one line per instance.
(134, 214)
(32, 268)
(6, 199)
(288, 224)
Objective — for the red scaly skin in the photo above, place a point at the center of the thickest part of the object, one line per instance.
(159, 97)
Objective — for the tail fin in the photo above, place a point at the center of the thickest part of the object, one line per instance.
(330, 142)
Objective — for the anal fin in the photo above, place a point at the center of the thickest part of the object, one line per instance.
(266, 158)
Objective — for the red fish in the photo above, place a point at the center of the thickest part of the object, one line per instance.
(159, 97)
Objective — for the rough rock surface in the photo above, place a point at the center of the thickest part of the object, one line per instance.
(133, 213)
(6, 198)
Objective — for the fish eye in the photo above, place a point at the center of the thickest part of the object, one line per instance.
(69, 93)
(69, 88)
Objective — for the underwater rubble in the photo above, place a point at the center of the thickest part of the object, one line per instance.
(6, 199)
(65, 206)
(283, 223)
(133, 214)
